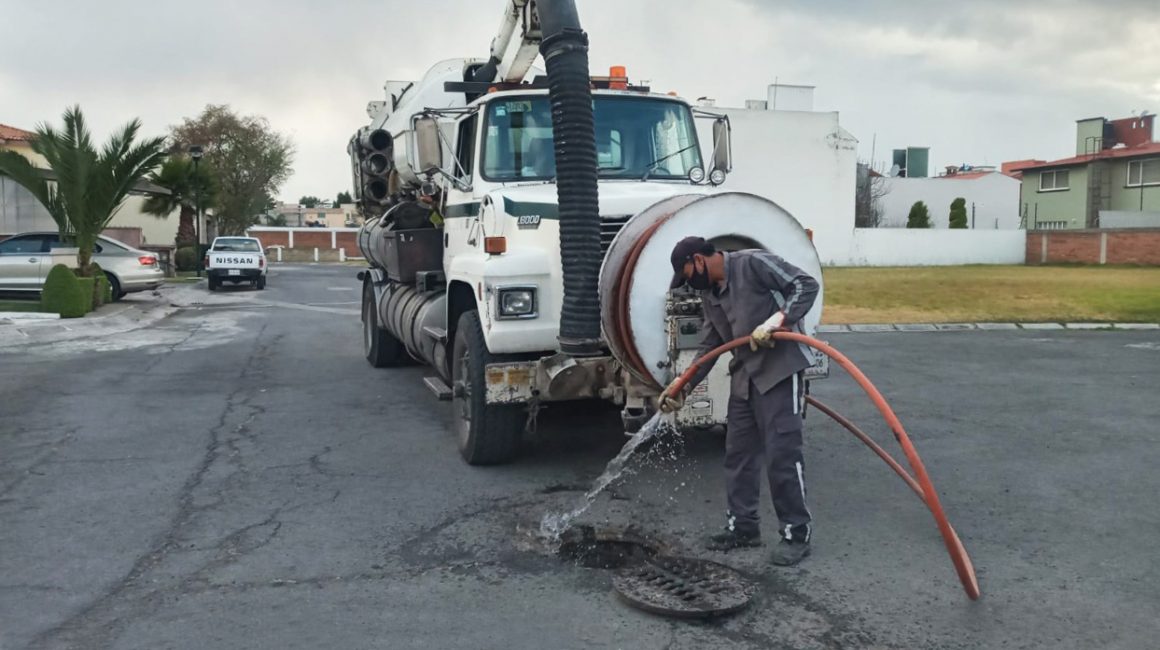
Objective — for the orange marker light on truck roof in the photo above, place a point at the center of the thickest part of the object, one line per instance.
(618, 78)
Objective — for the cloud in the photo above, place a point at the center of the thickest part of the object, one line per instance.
(978, 82)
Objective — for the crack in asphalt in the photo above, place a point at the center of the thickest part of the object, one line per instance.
(98, 623)
(54, 447)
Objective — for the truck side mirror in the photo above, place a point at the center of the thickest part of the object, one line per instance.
(722, 145)
(429, 145)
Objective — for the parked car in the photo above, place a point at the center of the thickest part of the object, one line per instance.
(235, 260)
(26, 259)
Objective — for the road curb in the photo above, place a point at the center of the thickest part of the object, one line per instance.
(863, 328)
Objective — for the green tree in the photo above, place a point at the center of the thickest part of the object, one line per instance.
(276, 220)
(309, 201)
(179, 177)
(958, 218)
(343, 197)
(249, 159)
(919, 216)
(89, 185)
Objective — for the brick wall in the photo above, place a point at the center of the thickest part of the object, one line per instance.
(1134, 247)
(269, 239)
(309, 238)
(1127, 246)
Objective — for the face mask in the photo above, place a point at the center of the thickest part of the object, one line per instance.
(700, 280)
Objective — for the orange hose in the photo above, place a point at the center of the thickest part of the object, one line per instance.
(874, 446)
(959, 557)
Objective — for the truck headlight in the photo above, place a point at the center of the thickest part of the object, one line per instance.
(517, 303)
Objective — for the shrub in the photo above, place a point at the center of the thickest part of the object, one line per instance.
(919, 216)
(88, 290)
(64, 294)
(186, 258)
(102, 286)
(958, 218)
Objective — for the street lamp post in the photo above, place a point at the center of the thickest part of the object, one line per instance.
(195, 152)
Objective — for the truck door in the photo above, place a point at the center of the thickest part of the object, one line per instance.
(461, 207)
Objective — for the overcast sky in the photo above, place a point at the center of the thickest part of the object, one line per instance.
(977, 81)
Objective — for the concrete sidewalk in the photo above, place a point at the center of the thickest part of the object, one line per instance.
(135, 311)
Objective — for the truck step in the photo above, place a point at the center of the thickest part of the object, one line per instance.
(436, 385)
(437, 333)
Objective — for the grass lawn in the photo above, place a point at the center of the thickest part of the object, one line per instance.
(19, 305)
(991, 293)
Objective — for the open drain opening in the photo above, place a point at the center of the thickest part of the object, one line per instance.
(606, 548)
(650, 577)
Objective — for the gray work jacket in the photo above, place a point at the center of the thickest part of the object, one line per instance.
(757, 284)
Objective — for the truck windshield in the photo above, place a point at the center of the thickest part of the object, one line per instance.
(236, 246)
(632, 134)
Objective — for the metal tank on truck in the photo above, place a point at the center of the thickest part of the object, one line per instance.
(518, 228)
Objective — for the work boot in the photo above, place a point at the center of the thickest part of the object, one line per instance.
(789, 553)
(732, 538)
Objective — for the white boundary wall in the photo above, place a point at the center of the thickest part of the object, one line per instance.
(931, 247)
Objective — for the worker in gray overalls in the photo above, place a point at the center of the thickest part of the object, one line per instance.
(755, 292)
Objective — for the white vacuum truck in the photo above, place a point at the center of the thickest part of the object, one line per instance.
(519, 226)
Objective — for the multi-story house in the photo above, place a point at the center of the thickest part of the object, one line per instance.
(1112, 181)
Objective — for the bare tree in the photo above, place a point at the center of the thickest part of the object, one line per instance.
(869, 190)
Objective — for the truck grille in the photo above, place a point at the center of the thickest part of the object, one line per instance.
(609, 226)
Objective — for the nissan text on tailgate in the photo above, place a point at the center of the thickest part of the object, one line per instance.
(235, 260)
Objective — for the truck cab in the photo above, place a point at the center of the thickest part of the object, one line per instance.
(496, 187)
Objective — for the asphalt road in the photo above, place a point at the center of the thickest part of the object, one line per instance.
(236, 476)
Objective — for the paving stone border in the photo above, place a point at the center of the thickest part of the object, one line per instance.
(956, 327)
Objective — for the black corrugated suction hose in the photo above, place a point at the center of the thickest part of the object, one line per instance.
(565, 52)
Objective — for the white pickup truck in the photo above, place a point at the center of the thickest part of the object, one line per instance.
(235, 260)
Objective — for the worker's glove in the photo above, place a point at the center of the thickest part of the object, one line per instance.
(671, 401)
(762, 335)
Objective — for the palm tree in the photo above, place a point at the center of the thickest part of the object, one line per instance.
(184, 180)
(89, 185)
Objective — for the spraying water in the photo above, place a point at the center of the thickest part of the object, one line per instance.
(554, 524)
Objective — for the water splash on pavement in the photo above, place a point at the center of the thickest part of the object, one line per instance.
(555, 524)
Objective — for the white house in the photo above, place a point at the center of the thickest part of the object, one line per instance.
(992, 199)
(21, 212)
(801, 159)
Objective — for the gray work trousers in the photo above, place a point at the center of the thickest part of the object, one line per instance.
(766, 429)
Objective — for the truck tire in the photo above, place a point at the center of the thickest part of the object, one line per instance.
(261, 282)
(488, 434)
(381, 348)
(212, 283)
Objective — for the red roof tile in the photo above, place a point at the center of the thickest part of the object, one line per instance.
(966, 175)
(1150, 148)
(11, 133)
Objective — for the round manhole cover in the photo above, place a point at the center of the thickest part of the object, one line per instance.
(683, 587)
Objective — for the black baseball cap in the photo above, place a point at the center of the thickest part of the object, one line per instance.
(683, 252)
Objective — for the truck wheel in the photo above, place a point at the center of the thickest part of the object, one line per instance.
(488, 433)
(212, 283)
(261, 282)
(382, 349)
